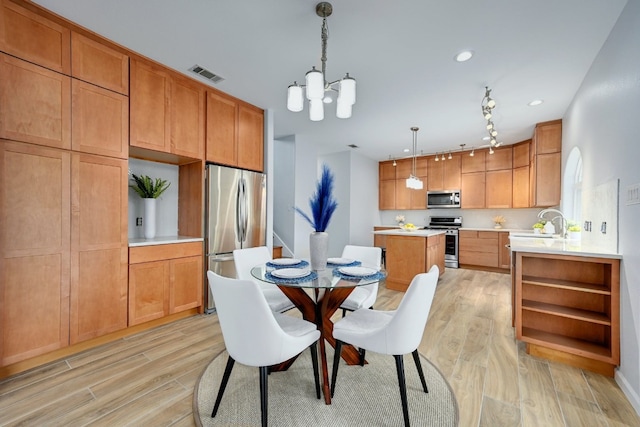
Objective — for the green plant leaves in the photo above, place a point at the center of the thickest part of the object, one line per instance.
(147, 188)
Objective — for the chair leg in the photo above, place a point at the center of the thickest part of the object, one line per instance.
(344, 312)
(314, 361)
(336, 362)
(361, 352)
(263, 395)
(223, 385)
(416, 358)
(403, 388)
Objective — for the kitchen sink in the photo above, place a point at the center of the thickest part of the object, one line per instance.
(534, 235)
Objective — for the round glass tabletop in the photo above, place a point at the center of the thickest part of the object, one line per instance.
(345, 277)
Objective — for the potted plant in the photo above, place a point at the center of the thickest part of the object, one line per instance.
(322, 206)
(149, 190)
(538, 226)
(498, 220)
(573, 231)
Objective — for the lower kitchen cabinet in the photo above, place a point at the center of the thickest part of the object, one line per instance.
(567, 308)
(164, 279)
(478, 248)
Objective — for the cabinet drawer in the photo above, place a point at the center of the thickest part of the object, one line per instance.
(139, 254)
(479, 245)
(485, 259)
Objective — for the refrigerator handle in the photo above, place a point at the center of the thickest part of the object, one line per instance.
(239, 211)
(245, 211)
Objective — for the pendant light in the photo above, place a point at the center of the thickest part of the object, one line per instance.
(413, 182)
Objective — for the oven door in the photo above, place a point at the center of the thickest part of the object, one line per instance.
(451, 250)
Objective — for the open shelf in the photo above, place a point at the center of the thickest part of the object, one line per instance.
(567, 284)
(568, 312)
(567, 344)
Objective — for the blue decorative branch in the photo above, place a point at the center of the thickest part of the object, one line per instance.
(322, 203)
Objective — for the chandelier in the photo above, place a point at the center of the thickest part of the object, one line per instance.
(488, 104)
(413, 181)
(318, 90)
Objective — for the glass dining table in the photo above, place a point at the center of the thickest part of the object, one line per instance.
(318, 295)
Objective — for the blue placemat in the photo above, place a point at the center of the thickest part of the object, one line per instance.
(309, 277)
(351, 264)
(378, 275)
(301, 264)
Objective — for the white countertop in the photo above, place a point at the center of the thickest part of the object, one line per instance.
(519, 230)
(559, 246)
(164, 240)
(414, 233)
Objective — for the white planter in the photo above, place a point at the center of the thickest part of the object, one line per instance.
(574, 235)
(149, 218)
(318, 249)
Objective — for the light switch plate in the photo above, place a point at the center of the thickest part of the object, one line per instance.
(633, 194)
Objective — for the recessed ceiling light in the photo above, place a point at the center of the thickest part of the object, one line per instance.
(406, 150)
(485, 138)
(463, 56)
(535, 102)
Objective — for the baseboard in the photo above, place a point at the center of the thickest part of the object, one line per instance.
(628, 391)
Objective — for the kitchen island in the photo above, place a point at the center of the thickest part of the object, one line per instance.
(411, 252)
(566, 301)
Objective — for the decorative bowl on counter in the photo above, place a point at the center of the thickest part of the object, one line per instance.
(409, 227)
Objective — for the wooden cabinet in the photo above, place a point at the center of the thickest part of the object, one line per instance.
(164, 279)
(567, 308)
(387, 195)
(545, 164)
(472, 191)
(504, 253)
(167, 111)
(380, 240)
(479, 248)
(498, 189)
(520, 191)
(99, 246)
(98, 64)
(34, 38)
(475, 163)
(235, 132)
(501, 159)
(100, 122)
(35, 250)
(444, 174)
(521, 154)
(407, 256)
(35, 104)
(386, 171)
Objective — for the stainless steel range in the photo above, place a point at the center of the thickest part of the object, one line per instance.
(450, 224)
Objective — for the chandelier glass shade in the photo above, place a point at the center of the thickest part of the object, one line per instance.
(413, 182)
(317, 88)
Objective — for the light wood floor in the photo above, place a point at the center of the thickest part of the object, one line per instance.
(148, 379)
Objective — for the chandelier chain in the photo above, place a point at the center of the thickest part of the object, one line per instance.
(323, 58)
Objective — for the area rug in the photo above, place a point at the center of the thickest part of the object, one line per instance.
(365, 395)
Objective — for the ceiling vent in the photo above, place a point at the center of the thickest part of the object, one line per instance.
(206, 74)
(353, 146)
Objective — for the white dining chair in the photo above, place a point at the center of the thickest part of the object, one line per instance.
(362, 296)
(262, 339)
(396, 333)
(245, 260)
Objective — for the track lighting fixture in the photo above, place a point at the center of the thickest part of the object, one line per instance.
(488, 104)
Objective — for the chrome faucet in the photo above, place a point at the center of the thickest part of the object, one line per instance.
(563, 222)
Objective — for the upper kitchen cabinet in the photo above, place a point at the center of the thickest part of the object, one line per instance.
(545, 164)
(100, 122)
(235, 132)
(501, 159)
(35, 104)
(520, 194)
(167, 112)
(386, 185)
(97, 63)
(444, 174)
(34, 250)
(475, 163)
(34, 38)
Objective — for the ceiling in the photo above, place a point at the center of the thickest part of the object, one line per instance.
(401, 54)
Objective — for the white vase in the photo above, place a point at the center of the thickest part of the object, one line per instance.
(574, 235)
(149, 218)
(318, 249)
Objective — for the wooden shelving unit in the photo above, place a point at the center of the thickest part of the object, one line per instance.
(568, 308)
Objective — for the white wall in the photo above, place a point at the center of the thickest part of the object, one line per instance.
(363, 208)
(603, 122)
(305, 176)
(167, 204)
(519, 219)
(340, 166)
(284, 192)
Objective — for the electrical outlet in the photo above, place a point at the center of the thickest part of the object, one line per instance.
(603, 227)
(139, 222)
(633, 194)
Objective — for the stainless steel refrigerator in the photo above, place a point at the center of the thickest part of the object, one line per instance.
(235, 218)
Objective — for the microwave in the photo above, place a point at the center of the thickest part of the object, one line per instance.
(443, 199)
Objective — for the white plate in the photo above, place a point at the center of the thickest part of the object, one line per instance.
(357, 271)
(290, 273)
(285, 261)
(340, 261)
